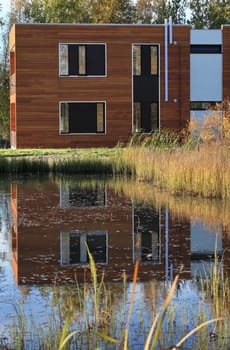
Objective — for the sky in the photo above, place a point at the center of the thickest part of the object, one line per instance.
(5, 5)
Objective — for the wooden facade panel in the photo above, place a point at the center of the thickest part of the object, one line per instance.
(39, 89)
(226, 61)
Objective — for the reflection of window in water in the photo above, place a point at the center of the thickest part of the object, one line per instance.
(78, 197)
(205, 243)
(147, 245)
(74, 247)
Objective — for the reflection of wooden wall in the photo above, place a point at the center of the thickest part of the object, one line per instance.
(40, 221)
(226, 251)
(39, 87)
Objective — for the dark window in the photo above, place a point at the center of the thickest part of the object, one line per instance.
(73, 196)
(203, 105)
(82, 60)
(145, 60)
(147, 234)
(82, 117)
(146, 117)
(145, 88)
(205, 49)
(74, 247)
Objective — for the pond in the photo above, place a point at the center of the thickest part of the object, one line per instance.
(52, 228)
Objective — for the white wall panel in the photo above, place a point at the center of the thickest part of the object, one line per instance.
(206, 37)
(205, 77)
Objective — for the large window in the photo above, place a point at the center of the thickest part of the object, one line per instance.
(82, 118)
(76, 196)
(82, 59)
(74, 247)
(141, 123)
(145, 60)
(147, 234)
(145, 88)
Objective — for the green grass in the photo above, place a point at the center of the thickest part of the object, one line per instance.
(67, 152)
(68, 161)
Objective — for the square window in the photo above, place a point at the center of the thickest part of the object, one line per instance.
(82, 59)
(82, 117)
(74, 247)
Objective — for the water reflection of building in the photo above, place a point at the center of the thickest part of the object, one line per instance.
(53, 227)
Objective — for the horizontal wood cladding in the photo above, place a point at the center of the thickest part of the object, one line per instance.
(226, 61)
(39, 89)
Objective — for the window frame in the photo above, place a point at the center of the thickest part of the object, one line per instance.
(84, 234)
(82, 44)
(137, 237)
(137, 59)
(158, 74)
(206, 49)
(82, 133)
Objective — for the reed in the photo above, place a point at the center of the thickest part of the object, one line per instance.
(204, 171)
(94, 331)
(23, 166)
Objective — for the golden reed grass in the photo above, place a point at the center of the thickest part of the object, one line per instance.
(204, 171)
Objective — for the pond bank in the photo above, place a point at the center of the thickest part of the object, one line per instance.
(203, 171)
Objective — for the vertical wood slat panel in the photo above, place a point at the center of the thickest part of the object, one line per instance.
(226, 62)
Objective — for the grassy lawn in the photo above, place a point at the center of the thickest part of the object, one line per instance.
(66, 152)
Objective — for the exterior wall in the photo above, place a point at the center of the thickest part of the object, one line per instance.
(209, 73)
(206, 68)
(37, 89)
(226, 61)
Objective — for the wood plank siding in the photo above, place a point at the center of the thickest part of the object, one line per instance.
(37, 87)
(226, 61)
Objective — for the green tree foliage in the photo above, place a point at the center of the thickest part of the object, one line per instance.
(47, 11)
(209, 13)
(144, 10)
(74, 11)
(111, 11)
(155, 11)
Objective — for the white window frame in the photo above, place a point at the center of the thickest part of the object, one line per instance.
(87, 133)
(82, 44)
(159, 85)
(64, 246)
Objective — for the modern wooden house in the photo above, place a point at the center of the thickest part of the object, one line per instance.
(81, 85)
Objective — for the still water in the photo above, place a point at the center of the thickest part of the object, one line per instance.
(46, 226)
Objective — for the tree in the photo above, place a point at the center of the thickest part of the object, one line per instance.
(177, 10)
(62, 11)
(48, 11)
(111, 11)
(74, 11)
(144, 10)
(218, 13)
(4, 85)
(209, 14)
(156, 11)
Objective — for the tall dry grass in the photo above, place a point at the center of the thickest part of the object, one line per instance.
(203, 171)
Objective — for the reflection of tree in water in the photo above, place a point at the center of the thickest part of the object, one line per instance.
(5, 238)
